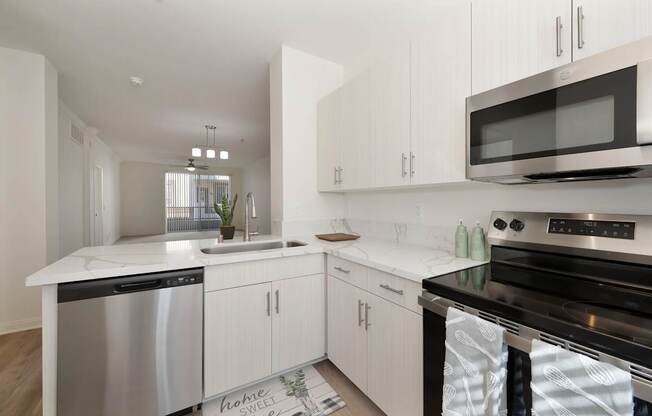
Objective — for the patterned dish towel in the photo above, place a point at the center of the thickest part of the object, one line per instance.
(475, 367)
(568, 384)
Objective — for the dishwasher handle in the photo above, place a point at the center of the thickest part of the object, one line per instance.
(134, 287)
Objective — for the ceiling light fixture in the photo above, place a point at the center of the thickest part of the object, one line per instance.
(196, 152)
(224, 155)
(210, 152)
(136, 81)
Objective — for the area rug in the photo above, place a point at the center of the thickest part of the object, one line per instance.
(302, 392)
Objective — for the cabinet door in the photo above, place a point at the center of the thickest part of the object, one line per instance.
(395, 358)
(357, 140)
(347, 339)
(441, 71)
(298, 321)
(513, 39)
(391, 117)
(604, 24)
(328, 141)
(237, 337)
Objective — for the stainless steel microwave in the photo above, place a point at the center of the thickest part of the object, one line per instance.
(590, 119)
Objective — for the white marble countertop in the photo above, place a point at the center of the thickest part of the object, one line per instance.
(408, 261)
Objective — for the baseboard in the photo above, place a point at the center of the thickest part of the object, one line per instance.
(19, 325)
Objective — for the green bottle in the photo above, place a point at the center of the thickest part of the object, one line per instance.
(477, 243)
(461, 241)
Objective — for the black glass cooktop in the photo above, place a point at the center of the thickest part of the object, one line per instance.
(604, 304)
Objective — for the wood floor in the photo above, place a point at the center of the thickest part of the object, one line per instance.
(20, 379)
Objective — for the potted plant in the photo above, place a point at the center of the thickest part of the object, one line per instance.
(225, 210)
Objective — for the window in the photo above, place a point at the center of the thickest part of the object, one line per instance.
(189, 200)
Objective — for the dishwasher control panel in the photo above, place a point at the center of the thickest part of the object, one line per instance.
(183, 280)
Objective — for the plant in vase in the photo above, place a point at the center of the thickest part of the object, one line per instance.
(225, 209)
(296, 387)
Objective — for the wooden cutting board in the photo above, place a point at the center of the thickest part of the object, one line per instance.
(337, 237)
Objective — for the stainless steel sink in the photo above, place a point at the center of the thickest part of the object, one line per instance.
(263, 245)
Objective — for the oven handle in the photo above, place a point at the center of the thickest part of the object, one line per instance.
(523, 341)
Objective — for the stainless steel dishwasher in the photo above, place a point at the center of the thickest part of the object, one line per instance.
(130, 345)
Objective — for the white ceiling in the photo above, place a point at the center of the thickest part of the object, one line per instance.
(202, 61)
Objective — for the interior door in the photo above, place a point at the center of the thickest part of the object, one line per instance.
(98, 206)
(329, 143)
(604, 24)
(513, 39)
(298, 321)
(395, 358)
(347, 338)
(237, 337)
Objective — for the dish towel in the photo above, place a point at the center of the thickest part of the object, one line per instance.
(565, 383)
(475, 367)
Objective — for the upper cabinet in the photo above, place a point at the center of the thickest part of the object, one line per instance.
(604, 24)
(329, 152)
(513, 39)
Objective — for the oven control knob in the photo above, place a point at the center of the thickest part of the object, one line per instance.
(516, 225)
(500, 224)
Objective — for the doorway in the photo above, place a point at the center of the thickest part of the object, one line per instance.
(98, 206)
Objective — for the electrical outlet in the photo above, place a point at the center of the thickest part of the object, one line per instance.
(419, 212)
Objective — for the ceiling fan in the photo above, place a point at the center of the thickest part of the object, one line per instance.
(190, 167)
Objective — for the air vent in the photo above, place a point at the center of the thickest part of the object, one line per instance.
(641, 374)
(584, 351)
(508, 325)
(459, 306)
(76, 134)
(551, 339)
(488, 317)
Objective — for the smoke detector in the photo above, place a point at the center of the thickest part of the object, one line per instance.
(136, 81)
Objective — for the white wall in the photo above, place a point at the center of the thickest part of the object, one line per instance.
(297, 82)
(28, 182)
(142, 196)
(256, 179)
(472, 201)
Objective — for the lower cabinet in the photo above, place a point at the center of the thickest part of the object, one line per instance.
(378, 345)
(251, 332)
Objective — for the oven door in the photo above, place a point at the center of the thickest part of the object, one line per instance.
(519, 394)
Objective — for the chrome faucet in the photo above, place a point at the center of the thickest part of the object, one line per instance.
(248, 215)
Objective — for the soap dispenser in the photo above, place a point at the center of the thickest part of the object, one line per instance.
(461, 241)
(477, 243)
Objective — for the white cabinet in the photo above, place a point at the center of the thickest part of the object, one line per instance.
(440, 74)
(357, 141)
(275, 319)
(378, 345)
(237, 337)
(298, 321)
(605, 24)
(391, 118)
(347, 340)
(513, 39)
(395, 358)
(329, 152)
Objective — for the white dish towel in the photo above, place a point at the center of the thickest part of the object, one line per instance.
(475, 367)
(568, 384)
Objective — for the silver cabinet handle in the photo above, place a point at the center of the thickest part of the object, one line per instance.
(340, 170)
(269, 304)
(412, 157)
(403, 160)
(558, 27)
(334, 175)
(391, 289)
(277, 302)
(339, 269)
(360, 319)
(580, 27)
(366, 316)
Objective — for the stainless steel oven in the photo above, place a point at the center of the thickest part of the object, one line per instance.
(590, 119)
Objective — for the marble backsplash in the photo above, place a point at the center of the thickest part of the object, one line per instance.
(435, 237)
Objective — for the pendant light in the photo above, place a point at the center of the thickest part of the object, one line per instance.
(224, 155)
(196, 152)
(210, 152)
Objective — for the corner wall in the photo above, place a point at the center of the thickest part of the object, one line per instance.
(256, 179)
(28, 182)
(297, 82)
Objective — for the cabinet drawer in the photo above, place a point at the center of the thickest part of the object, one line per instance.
(350, 272)
(395, 289)
(246, 273)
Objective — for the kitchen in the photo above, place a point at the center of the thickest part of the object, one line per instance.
(394, 147)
